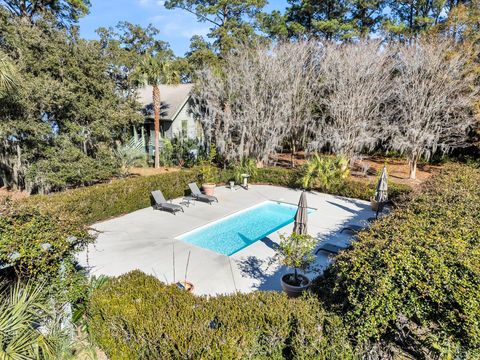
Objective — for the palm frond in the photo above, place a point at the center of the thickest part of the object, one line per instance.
(22, 308)
(8, 75)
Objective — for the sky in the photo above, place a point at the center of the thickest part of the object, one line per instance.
(176, 26)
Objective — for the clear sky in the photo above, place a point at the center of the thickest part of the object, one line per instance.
(176, 26)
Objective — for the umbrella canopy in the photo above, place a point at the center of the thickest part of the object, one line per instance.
(301, 217)
(381, 193)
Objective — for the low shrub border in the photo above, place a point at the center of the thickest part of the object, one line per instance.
(135, 316)
(413, 279)
(119, 197)
(122, 196)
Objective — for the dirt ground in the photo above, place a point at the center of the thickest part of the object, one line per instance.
(398, 170)
(366, 169)
(13, 195)
(152, 171)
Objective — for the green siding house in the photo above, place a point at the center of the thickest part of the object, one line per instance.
(176, 117)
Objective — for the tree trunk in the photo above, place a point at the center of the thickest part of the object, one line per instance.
(413, 167)
(293, 153)
(156, 120)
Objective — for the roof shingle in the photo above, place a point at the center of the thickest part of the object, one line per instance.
(173, 97)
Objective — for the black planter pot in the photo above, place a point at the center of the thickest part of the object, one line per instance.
(294, 291)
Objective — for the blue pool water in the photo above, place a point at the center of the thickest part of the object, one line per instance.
(235, 232)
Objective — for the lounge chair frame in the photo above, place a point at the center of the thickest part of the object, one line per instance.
(162, 204)
(199, 196)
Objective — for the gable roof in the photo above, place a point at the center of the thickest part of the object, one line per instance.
(173, 98)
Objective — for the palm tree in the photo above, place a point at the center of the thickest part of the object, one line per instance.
(22, 309)
(7, 74)
(324, 172)
(153, 71)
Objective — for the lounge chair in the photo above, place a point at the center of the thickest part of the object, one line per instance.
(162, 204)
(197, 194)
(330, 248)
(354, 229)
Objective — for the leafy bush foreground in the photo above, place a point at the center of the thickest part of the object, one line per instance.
(135, 316)
(413, 279)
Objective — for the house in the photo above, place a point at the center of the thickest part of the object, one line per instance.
(176, 118)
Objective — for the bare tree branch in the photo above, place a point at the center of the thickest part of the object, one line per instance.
(263, 97)
(355, 86)
(433, 100)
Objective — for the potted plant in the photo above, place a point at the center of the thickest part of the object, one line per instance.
(295, 252)
(208, 175)
(183, 284)
(209, 172)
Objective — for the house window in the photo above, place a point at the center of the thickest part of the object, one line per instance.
(184, 127)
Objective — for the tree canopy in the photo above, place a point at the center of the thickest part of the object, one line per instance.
(64, 11)
(66, 104)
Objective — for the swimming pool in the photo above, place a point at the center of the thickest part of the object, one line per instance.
(237, 231)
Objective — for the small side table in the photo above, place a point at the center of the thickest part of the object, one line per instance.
(245, 180)
(187, 201)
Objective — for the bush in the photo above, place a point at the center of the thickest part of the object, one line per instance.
(23, 231)
(413, 278)
(349, 188)
(324, 172)
(276, 176)
(103, 201)
(66, 167)
(26, 231)
(135, 316)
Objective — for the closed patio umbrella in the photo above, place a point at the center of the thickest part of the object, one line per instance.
(381, 193)
(301, 217)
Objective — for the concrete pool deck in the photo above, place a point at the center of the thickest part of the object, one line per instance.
(145, 240)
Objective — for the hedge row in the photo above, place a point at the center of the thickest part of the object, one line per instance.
(414, 277)
(103, 201)
(135, 316)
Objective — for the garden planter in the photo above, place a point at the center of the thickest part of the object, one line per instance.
(294, 291)
(209, 188)
(232, 184)
(186, 285)
(376, 206)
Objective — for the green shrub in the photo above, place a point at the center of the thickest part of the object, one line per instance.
(324, 172)
(244, 166)
(26, 231)
(128, 157)
(276, 176)
(349, 188)
(23, 230)
(135, 316)
(103, 201)
(67, 166)
(414, 277)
